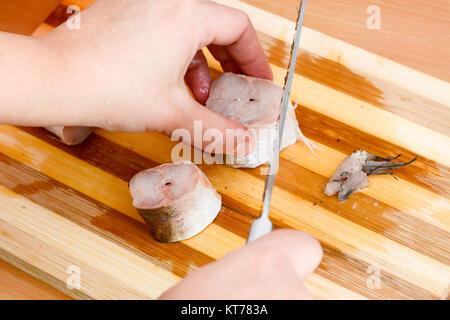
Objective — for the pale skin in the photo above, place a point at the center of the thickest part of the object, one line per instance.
(126, 69)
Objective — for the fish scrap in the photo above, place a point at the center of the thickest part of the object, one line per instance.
(352, 174)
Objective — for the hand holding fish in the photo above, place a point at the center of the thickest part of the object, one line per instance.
(126, 67)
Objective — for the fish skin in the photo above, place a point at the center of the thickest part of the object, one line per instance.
(255, 103)
(176, 200)
(354, 182)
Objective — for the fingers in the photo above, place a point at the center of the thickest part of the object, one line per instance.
(226, 61)
(298, 248)
(198, 77)
(210, 131)
(272, 267)
(231, 28)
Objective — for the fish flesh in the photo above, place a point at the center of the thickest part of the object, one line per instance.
(255, 103)
(352, 174)
(176, 200)
(71, 135)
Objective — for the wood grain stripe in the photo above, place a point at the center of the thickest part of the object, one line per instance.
(345, 270)
(83, 4)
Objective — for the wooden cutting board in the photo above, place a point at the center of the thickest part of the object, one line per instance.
(68, 208)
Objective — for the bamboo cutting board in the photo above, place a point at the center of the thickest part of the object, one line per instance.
(66, 206)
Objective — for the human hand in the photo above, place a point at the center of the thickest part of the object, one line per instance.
(272, 267)
(126, 67)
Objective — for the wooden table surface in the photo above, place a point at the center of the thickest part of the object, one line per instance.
(385, 91)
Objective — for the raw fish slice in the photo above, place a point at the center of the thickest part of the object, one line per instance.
(176, 200)
(71, 135)
(255, 103)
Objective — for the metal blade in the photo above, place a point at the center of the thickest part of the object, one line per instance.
(262, 225)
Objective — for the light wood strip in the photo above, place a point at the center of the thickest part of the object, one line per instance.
(139, 277)
(42, 30)
(351, 56)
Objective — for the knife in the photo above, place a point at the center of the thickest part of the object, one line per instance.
(263, 225)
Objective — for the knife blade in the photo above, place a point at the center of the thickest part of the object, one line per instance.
(263, 225)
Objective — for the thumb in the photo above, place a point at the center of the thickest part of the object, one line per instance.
(211, 131)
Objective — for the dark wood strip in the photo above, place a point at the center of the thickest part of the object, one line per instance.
(58, 16)
(100, 152)
(98, 218)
